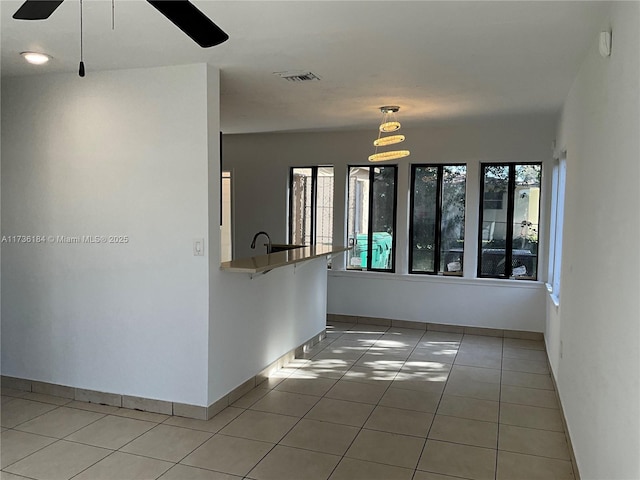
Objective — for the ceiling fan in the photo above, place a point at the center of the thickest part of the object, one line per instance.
(182, 13)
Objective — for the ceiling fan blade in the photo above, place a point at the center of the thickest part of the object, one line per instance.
(191, 21)
(36, 9)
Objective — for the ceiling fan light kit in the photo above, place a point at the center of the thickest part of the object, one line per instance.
(388, 124)
(182, 13)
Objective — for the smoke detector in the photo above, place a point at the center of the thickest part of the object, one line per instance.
(297, 76)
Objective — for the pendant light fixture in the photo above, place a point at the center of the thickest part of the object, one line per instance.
(389, 124)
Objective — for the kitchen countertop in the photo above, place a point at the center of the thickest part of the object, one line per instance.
(264, 263)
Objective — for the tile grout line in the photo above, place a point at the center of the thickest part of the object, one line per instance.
(94, 446)
(19, 460)
(56, 407)
(433, 415)
(57, 439)
(247, 475)
(119, 449)
(343, 456)
(378, 402)
(112, 451)
(94, 463)
(426, 438)
(30, 478)
(341, 377)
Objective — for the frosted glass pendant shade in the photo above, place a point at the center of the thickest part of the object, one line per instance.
(389, 127)
(390, 140)
(391, 155)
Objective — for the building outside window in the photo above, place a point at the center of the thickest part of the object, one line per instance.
(311, 206)
(371, 218)
(436, 228)
(509, 217)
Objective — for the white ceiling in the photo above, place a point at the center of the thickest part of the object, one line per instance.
(440, 61)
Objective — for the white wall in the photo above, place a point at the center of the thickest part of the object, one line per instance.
(258, 319)
(253, 320)
(115, 153)
(598, 324)
(502, 304)
(261, 163)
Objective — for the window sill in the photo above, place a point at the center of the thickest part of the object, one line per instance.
(554, 298)
(440, 279)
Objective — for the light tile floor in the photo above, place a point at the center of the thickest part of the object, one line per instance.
(366, 403)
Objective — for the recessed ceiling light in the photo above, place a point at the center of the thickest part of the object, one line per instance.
(35, 58)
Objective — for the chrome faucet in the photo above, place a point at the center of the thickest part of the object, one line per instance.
(253, 243)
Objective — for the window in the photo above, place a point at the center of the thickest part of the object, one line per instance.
(436, 229)
(556, 224)
(311, 206)
(371, 218)
(509, 216)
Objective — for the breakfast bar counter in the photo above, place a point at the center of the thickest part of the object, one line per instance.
(264, 263)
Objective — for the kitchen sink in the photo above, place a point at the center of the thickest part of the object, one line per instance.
(283, 247)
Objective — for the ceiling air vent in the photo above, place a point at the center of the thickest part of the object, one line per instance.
(297, 76)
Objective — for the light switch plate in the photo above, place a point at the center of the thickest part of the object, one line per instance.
(198, 247)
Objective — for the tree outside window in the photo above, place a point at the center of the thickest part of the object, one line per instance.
(437, 219)
(509, 220)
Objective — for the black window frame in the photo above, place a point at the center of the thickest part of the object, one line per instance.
(370, 212)
(511, 186)
(438, 216)
(314, 201)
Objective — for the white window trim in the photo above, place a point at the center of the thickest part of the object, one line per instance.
(556, 227)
